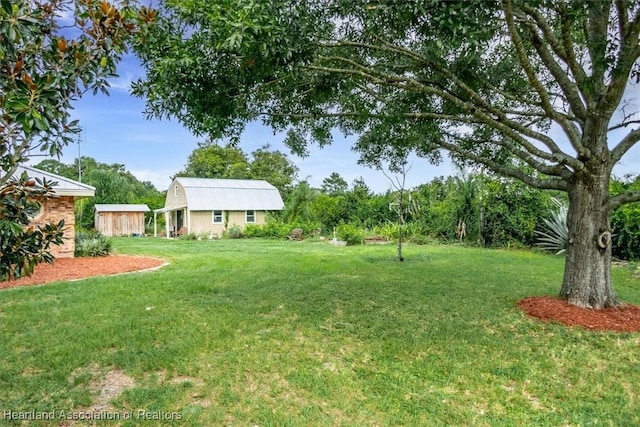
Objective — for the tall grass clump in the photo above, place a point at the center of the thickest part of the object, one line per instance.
(92, 244)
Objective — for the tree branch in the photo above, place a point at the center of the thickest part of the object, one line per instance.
(566, 30)
(595, 27)
(625, 145)
(623, 125)
(628, 54)
(569, 88)
(622, 199)
(501, 123)
(623, 16)
(546, 169)
(546, 184)
(553, 67)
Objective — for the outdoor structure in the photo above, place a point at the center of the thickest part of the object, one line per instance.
(205, 206)
(67, 191)
(120, 219)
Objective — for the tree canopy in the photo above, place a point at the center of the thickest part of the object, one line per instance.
(51, 52)
(211, 160)
(49, 60)
(483, 81)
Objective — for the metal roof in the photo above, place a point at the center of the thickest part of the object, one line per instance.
(65, 186)
(121, 208)
(205, 194)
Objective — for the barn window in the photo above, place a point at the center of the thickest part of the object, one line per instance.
(251, 216)
(175, 190)
(217, 217)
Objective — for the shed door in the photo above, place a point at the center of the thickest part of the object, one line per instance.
(179, 219)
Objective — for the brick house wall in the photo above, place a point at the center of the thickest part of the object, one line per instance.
(54, 210)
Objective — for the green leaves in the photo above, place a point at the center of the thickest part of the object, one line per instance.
(23, 246)
(44, 70)
(555, 236)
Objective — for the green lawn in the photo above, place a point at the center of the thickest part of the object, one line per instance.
(254, 332)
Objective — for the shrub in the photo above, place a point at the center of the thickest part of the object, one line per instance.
(270, 230)
(188, 236)
(280, 230)
(234, 232)
(388, 231)
(350, 234)
(23, 247)
(421, 239)
(555, 235)
(625, 222)
(92, 244)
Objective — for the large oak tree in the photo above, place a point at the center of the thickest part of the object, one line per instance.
(485, 81)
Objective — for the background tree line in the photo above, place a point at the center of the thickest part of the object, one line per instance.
(494, 211)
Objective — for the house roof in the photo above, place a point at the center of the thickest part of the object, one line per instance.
(121, 208)
(205, 194)
(64, 186)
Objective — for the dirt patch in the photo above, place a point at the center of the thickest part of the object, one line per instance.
(105, 386)
(79, 268)
(623, 319)
(110, 387)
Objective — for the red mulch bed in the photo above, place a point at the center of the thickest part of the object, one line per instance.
(79, 268)
(623, 319)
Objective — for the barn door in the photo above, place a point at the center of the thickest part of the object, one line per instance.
(179, 220)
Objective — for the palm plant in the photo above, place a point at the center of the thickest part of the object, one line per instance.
(555, 236)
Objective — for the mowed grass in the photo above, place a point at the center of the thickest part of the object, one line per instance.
(266, 333)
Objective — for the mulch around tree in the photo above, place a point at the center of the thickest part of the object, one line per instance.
(79, 268)
(623, 319)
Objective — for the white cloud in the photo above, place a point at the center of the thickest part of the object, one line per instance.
(122, 83)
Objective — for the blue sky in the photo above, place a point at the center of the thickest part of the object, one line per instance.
(115, 131)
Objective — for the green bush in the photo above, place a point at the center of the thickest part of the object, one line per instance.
(414, 232)
(234, 232)
(23, 247)
(350, 233)
(270, 230)
(279, 230)
(422, 239)
(625, 222)
(188, 236)
(92, 244)
(388, 231)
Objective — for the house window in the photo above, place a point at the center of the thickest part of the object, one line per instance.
(217, 217)
(251, 217)
(175, 190)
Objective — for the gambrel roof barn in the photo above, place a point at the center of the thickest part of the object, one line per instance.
(210, 206)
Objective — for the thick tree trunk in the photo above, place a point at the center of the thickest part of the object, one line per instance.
(587, 274)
